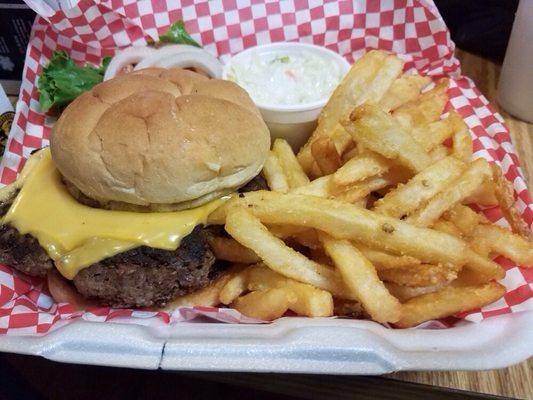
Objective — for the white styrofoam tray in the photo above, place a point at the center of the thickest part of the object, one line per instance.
(321, 345)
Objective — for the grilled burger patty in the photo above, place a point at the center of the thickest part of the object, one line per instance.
(140, 277)
(144, 276)
(23, 252)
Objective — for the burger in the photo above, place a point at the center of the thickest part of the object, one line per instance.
(118, 203)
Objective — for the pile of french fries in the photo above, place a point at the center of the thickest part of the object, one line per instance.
(372, 217)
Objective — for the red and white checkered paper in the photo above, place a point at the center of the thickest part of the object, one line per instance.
(92, 29)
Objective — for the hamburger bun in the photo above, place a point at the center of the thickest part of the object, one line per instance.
(159, 137)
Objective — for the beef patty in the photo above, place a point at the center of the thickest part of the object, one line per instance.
(144, 276)
(140, 277)
(23, 252)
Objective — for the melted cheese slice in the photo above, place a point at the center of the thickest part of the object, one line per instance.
(76, 236)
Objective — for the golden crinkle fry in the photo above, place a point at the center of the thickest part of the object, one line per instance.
(372, 217)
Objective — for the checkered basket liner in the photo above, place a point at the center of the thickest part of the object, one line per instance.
(89, 30)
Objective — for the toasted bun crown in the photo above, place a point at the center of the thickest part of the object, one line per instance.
(159, 136)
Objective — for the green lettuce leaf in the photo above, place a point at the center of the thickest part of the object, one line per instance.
(62, 80)
(178, 34)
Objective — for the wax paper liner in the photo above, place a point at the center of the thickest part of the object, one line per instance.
(89, 30)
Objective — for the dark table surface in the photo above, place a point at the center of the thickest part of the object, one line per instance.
(30, 377)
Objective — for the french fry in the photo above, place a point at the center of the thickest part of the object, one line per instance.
(350, 153)
(234, 287)
(362, 280)
(504, 242)
(293, 171)
(407, 198)
(458, 190)
(485, 196)
(404, 293)
(486, 269)
(353, 90)
(427, 108)
(250, 232)
(314, 172)
(318, 187)
(448, 301)
(260, 277)
(505, 194)
(384, 78)
(357, 193)
(230, 250)
(438, 153)
(361, 202)
(368, 80)
(468, 277)
(478, 260)
(343, 143)
(307, 162)
(310, 301)
(381, 133)
(418, 275)
(383, 260)
(361, 167)
(273, 173)
(447, 227)
(265, 305)
(403, 90)
(342, 139)
(480, 245)
(346, 221)
(433, 134)
(326, 155)
(464, 218)
(362, 190)
(207, 297)
(284, 231)
(462, 141)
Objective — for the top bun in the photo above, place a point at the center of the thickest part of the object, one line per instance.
(160, 136)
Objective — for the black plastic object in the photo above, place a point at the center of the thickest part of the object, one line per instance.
(480, 26)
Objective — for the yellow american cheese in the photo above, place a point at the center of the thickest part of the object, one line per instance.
(76, 236)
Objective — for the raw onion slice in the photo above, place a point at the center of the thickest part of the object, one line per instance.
(165, 51)
(204, 62)
(126, 57)
(183, 56)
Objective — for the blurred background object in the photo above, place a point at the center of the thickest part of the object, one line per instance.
(515, 88)
(16, 20)
(480, 26)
